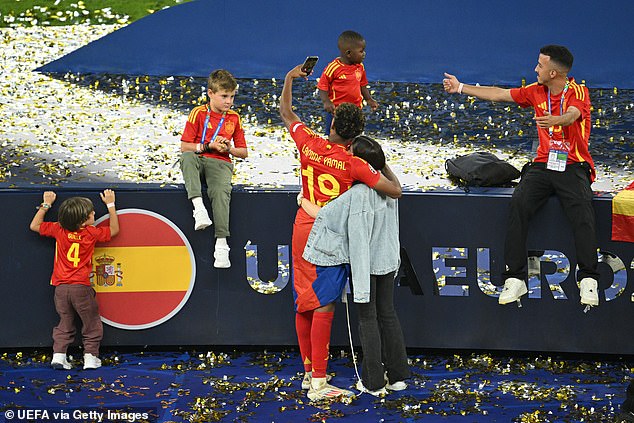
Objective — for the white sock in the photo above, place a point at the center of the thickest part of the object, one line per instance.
(221, 242)
(198, 203)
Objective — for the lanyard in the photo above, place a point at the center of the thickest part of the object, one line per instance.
(222, 120)
(561, 110)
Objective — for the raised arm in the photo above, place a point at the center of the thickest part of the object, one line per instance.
(108, 198)
(452, 85)
(48, 199)
(286, 99)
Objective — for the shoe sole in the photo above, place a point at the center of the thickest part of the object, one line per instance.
(91, 368)
(60, 366)
(202, 226)
(316, 397)
(590, 301)
(222, 265)
(511, 300)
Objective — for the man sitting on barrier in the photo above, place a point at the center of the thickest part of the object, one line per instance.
(563, 166)
(327, 171)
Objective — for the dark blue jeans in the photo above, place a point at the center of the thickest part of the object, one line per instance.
(572, 188)
(381, 336)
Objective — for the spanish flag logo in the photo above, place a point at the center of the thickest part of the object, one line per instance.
(623, 215)
(145, 274)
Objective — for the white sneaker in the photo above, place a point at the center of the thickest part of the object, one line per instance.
(60, 362)
(396, 386)
(589, 293)
(378, 393)
(221, 256)
(320, 389)
(513, 289)
(308, 376)
(201, 219)
(91, 362)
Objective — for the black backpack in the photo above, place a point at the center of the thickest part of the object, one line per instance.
(481, 169)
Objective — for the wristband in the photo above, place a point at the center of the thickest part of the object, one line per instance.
(197, 148)
(110, 205)
(44, 206)
(460, 87)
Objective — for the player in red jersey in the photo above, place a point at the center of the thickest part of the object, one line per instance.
(563, 166)
(327, 170)
(75, 239)
(344, 79)
(207, 150)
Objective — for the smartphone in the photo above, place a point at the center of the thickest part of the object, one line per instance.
(309, 64)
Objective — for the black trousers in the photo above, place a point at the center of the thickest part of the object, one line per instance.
(572, 187)
(381, 336)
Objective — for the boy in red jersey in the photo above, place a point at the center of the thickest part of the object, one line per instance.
(563, 167)
(344, 79)
(207, 151)
(327, 170)
(75, 239)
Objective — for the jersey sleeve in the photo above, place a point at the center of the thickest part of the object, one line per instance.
(522, 96)
(580, 98)
(324, 82)
(301, 133)
(191, 131)
(364, 172)
(239, 140)
(364, 77)
(49, 229)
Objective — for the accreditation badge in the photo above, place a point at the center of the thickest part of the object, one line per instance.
(557, 155)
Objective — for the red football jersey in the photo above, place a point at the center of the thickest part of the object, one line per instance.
(231, 129)
(328, 169)
(577, 134)
(343, 82)
(73, 251)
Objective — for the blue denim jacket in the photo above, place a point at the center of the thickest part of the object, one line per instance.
(359, 227)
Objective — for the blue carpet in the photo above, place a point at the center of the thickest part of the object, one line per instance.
(266, 387)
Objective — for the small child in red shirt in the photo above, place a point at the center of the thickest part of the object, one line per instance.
(344, 79)
(75, 238)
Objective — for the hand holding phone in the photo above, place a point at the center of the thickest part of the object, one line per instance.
(309, 64)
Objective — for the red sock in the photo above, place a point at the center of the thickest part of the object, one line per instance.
(303, 324)
(320, 340)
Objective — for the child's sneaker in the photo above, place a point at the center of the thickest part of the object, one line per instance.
(221, 256)
(320, 389)
(308, 376)
(201, 219)
(378, 393)
(91, 362)
(60, 362)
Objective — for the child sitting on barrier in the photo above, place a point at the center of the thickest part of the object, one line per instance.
(75, 239)
(207, 150)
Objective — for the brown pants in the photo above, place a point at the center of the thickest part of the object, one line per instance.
(80, 299)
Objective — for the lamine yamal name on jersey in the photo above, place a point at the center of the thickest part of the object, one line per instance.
(327, 161)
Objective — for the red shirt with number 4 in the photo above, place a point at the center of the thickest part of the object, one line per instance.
(73, 251)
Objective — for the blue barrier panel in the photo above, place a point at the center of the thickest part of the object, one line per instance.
(454, 241)
(488, 41)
